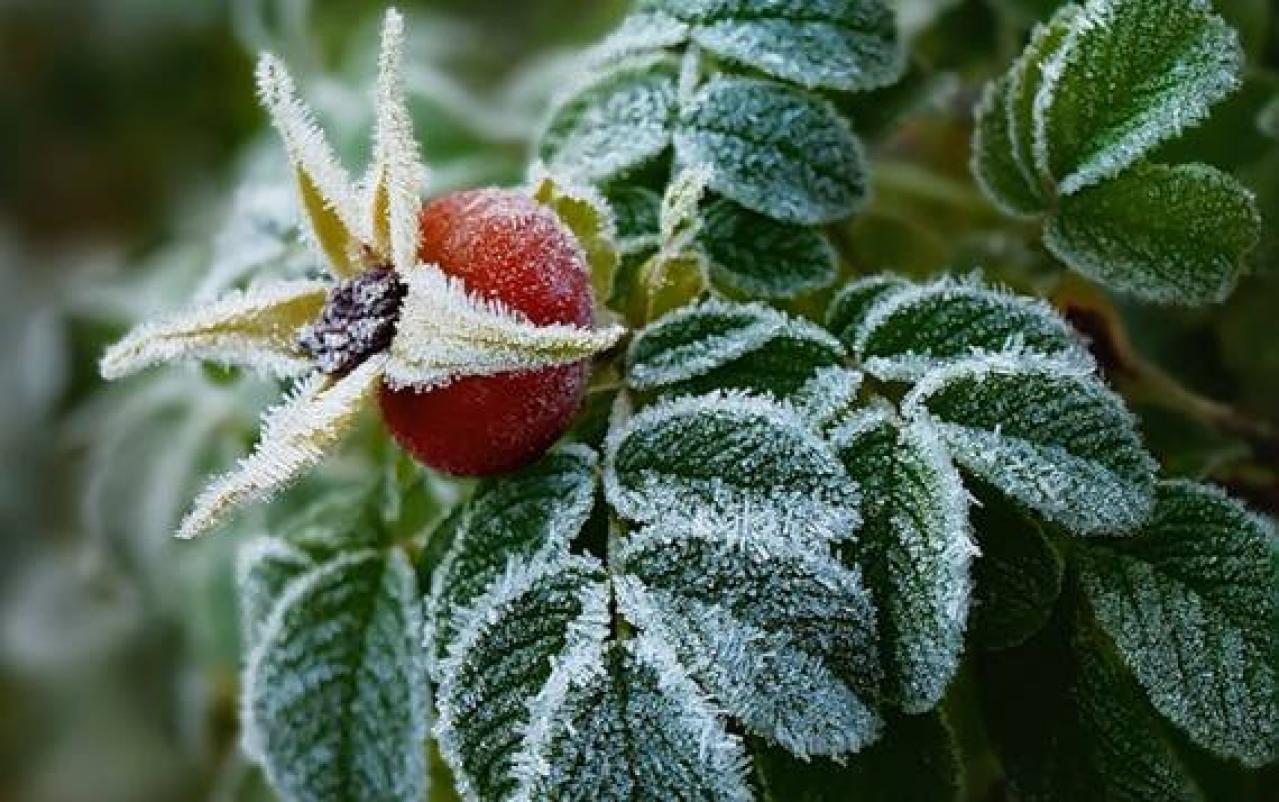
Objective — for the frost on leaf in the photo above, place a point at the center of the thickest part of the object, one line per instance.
(827, 398)
(718, 345)
(1169, 234)
(756, 255)
(633, 728)
(777, 631)
(334, 693)
(1190, 603)
(903, 337)
(296, 435)
(637, 213)
(644, 31)
(851, 304)
(541, 624)
(774, 149)
(255, 328)
(1129, 75)
(445, 332)
(915, 549)
(615, 121)
(264, 567)
(994, 163)
(1044, 433)
(730, 455)
(513, 519)
(847, 45)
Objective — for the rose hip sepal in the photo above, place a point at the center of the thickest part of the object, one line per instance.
(471, 320)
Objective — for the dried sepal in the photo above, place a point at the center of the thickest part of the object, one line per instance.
(296, 435)
(254, 328)
(446, 332)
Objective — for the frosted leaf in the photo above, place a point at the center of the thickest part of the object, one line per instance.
(729, 455)
(756, 255)
(335, 701)
(994, 163)
(1130, 75)
(637, 211)
(335, 223)
(1190, 603)
(634, 728)
(914, 331)
(1025, 79)
(296, 435)
(642, 32)
(1167, 234)
(1069, 724)
(1044, 433)
(397, 176)
(586, 213)
(613, 122)
(916, 760)
(1017, 577)
(255, 328)
(851, 304)
(263, 568)
(718, 345)
(512, 519)
(505, 674)
(827, 398)
(779, 633)
(678, 218)
(915, 548)
(847, 45)
(445, 332)
(774, 149)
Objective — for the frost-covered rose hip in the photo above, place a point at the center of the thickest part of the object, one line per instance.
(506, 248)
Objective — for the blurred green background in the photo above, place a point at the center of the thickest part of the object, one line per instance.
(136, 174)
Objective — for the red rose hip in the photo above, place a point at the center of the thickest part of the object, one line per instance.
(505, 247)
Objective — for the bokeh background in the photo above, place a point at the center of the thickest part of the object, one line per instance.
(136, 174)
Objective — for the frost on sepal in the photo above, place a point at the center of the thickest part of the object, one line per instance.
(1045, 433)
(1167, 234)
(903, 337)
(1129, 75)
(533, 514)
(731, 455)
(256, 328)
(851, 304)
(915, 548)
(1190, 604)
(758, 256)
(847, 45)
(828, 398)
(774, 149)
(445, 332)
(779, 633)
(719, 345)
(612, 122)
(332, 208)
(506, 673)
(335, 704)
(633, 728)
(263, 568)
(296, 435)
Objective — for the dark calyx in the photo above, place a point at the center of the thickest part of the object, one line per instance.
(358, 321)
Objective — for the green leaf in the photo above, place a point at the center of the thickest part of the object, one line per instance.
(1268, 119)
(335, 700)
(849, 307)
(637, 215)
(1044, 433)
(634, 729)
(729, 455)
(1070, 725)
(758, 256)
(1167, 234)
(915, 548)
(916, 760)
(719, 345)
(1017, 576)
(994, 163)
(780, 634)
(776, 150)
(640, 33)
(848, 45)
(264, 567)
(536, 512)
(1130, 75)
(1190, 603)
(616, 121)
(915, 331)
(827, 398)
(1025, 79)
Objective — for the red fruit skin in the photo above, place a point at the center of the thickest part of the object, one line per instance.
(504, 246)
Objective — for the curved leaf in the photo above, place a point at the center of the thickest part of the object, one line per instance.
(994, 163)
(851, 304)
(759, 256)
(264, 567)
